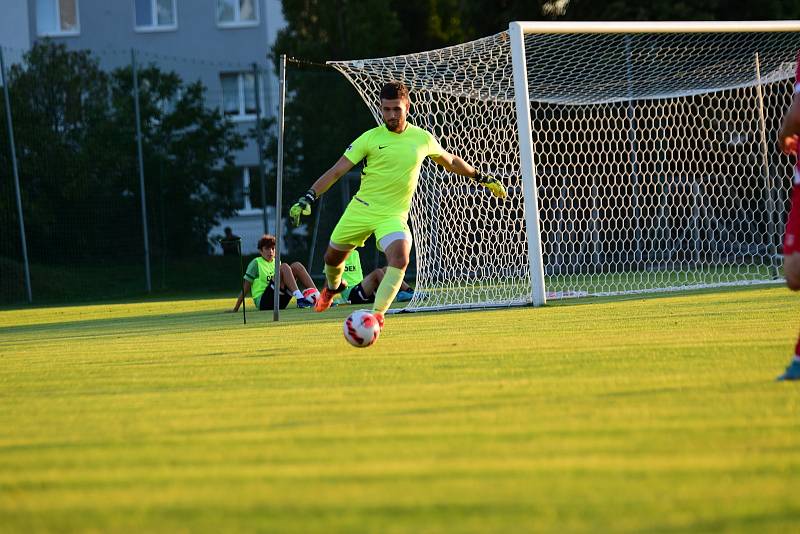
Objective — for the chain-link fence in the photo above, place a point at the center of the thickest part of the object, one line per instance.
(107, 219)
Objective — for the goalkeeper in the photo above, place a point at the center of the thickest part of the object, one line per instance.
(392, 155)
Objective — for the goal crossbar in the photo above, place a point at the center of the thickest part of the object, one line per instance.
(639, 27)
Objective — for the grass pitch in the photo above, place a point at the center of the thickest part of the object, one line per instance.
(656, 414)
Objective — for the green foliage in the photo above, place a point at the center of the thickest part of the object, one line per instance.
(189, 153)
(62, 132)
(76, 143)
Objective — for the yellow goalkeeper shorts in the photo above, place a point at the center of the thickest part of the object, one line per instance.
(358, 223)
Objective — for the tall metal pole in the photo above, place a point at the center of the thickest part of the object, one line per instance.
(279, 187)
(26, 265)
(260, 142)
(148, 284)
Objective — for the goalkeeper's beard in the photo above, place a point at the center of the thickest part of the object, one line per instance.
(393, 125)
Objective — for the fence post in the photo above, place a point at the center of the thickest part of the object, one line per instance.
(279, 187)
(148, 283)
(10, 123)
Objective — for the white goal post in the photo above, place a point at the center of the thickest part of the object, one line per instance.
(638, 156)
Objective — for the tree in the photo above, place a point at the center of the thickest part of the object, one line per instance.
(76, 144)
(188, 155)
(324, 114)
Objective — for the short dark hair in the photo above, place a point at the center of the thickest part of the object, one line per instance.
(394, 90)
(267, 240)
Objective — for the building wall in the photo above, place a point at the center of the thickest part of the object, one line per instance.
(14, 29)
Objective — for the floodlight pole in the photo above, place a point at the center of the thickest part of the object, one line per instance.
(141, 171)
(10, 122)
(279, 187)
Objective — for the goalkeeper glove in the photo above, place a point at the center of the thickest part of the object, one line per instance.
(302, 206)
(491, 183)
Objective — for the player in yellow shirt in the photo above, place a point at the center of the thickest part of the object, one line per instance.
(392, 156)
(259, 280)
(361, 289)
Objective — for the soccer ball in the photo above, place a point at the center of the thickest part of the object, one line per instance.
(361, 329)
(311, 294)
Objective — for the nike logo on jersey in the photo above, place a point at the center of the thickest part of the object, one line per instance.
(382, 147)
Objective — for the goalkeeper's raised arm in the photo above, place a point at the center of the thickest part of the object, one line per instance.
(303, 205)
(453, 163)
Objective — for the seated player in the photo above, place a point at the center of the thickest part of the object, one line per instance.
(259, 280)
(360, 289)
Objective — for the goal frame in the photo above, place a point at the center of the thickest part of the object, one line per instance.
(517, 31)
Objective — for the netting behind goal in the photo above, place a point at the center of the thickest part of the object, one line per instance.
(654, 155)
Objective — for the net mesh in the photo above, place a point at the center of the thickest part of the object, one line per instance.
(654, 156)
(80, 189)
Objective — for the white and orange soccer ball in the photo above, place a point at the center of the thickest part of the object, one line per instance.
(311, 294)
(361, 329)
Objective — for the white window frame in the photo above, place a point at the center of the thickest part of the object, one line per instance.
(154, 26)
(242, 115)
(248, 208)
(58, 32)
(237, 22)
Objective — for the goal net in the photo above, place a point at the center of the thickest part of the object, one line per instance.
(652, 166)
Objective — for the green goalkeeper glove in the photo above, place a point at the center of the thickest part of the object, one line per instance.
(491, 183)
(302, 206)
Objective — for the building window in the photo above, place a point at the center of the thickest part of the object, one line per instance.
(155, 15)
(247, 191)
(237, 12)
(57, 17)
(239, 94)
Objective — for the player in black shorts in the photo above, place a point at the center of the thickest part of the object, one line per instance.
(364, 291)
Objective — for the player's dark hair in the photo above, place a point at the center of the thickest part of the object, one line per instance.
(394, 90)
(267, 240)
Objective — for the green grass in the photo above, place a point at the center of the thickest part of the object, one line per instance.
(641, 414)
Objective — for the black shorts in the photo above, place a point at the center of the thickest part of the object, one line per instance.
(268, 299)
(357, 296)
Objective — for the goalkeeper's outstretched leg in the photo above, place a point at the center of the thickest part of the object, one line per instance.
(334, 268)
(397, 256)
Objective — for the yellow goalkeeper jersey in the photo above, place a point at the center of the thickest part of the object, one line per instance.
(392, 162)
